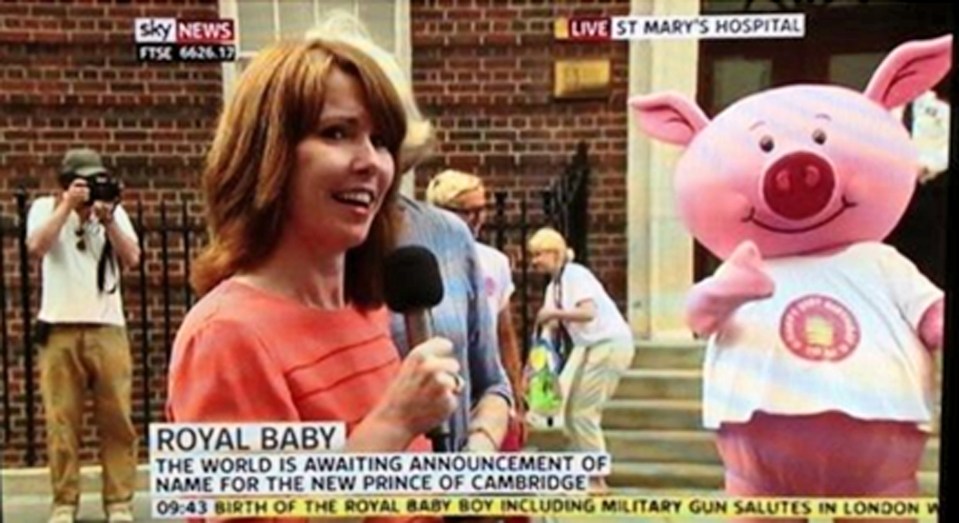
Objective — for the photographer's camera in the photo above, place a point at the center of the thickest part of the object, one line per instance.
(103, 188)
(87, 165)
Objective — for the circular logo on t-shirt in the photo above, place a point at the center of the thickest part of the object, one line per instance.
(819, 328)
(490, 285)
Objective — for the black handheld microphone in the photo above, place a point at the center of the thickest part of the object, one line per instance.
(413, 286)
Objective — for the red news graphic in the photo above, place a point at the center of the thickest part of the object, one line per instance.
(193, 40)
(204, 31)
(586, 29)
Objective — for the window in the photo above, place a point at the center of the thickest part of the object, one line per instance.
(736, 77)
(262, 22)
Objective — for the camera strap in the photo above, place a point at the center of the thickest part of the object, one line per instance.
(107, 257)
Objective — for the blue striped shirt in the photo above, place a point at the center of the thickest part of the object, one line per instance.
(463, 316)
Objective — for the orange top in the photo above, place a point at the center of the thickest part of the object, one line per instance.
(243, 354)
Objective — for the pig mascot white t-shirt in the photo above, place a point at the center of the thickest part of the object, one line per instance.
(838, 334)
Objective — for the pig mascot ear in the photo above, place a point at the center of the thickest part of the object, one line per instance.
(670, 117)
(910, 70)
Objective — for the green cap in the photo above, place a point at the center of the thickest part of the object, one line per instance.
(82, 162)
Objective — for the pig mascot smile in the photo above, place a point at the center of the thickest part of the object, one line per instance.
(818, 373)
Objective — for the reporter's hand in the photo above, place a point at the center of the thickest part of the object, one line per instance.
(424, 393)
(76, 194)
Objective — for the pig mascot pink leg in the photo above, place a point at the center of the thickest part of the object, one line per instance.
(818, 368)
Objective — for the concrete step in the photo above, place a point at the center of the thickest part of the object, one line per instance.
(653, 492)
(660, 384)
(685, 477)
(36, 480)
(652, 414)
(552, 440)
(666, 475)
(665, 446)
(27, 508)
(669, 355)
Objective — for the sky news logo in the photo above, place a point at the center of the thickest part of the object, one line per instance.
(602, 29)
(174, 31)
(176, 40)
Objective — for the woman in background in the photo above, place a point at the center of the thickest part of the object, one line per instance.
(576, 302)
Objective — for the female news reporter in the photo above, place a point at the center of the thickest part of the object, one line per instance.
(576, 302)
(480, 421)
(300, 190)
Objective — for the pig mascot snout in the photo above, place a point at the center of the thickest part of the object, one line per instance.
(818, 372)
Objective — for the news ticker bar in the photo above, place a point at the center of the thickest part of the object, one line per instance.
(607, 28)
(185, 40)
(601, 506)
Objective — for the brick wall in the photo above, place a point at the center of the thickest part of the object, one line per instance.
(483, 71)
(69, 77)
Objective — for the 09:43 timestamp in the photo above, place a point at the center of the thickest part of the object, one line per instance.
(183, 508)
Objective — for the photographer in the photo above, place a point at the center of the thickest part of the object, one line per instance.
(81, 236)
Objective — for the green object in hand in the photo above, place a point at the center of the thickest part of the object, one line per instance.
(543, 393)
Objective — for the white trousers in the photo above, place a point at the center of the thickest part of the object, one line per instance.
(588, 380)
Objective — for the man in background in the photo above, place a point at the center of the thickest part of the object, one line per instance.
(463, 317)
(81, 236)
(464, 195)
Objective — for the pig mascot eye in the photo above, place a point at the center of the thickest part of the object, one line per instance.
(819, 136)
(767, 144)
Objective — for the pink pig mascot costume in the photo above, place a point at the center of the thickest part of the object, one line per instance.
(818, 372)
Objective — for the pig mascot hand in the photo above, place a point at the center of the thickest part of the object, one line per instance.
(740, 279)
(817, 371)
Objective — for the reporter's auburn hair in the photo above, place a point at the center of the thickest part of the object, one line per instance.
(277, 103)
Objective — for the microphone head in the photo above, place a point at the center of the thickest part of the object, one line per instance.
(412, 279)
